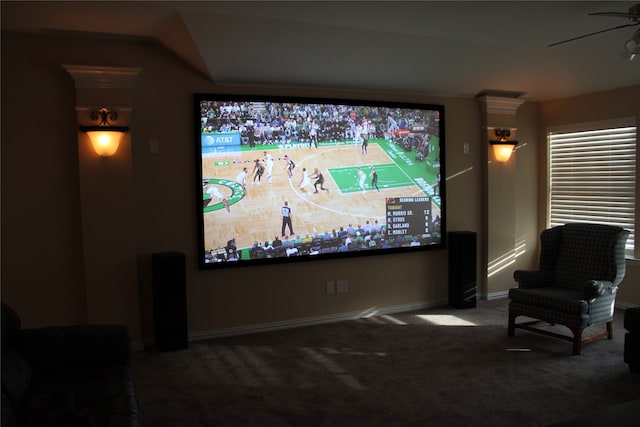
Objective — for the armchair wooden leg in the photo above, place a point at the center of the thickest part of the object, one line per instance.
(610, 329)
(577, 341)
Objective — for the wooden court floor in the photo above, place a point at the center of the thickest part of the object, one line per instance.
(257, 217)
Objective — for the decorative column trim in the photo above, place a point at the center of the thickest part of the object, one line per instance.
(491, 104)
(92, 77)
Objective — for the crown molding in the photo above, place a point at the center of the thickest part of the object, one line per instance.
(490, 104)
(92, 77)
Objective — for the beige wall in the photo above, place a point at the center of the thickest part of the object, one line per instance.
(629, 293)
(44, 273)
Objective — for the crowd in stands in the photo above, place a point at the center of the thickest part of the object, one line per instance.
(344, 239)
(272, 123)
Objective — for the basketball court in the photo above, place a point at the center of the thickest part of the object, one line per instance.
(259, 206)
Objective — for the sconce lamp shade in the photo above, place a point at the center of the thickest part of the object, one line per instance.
(105, 142)
(104, 137)
(503, 146)
(502, 150)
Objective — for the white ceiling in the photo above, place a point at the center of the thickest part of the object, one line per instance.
(452, 48)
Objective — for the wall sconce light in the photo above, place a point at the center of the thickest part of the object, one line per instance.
(504, 145)
(104, 137)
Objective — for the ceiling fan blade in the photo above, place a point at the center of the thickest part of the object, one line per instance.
(633, 15)
(615, 14)
(592, 34)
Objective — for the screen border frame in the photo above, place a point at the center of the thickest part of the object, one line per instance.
(239, 97)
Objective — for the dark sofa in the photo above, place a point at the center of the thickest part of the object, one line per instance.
(632, 338)
(66, 376)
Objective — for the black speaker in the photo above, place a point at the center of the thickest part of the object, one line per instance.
(462, 269)
(169, 282)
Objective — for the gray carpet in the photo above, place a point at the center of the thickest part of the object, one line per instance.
(437, 367)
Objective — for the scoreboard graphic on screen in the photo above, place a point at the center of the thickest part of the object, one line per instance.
(408, 216)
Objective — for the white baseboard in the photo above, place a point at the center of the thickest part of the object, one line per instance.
(331, 318)
(308, 321)
(497, 295)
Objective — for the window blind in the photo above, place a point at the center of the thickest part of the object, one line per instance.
(592, 178)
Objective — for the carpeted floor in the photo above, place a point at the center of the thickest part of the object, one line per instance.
(437, 367)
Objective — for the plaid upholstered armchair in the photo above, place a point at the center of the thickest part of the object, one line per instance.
(580, 268)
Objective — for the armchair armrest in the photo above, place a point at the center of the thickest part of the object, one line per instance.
(77, 346)
(533, 278)
(593, 289)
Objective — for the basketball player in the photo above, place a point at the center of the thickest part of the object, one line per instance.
(361, 178)
(289, 167)
(304, 181)
(319, 179)
(374, 179)
(258, 170)
(213, 191)
(268, 161)
(242, 177)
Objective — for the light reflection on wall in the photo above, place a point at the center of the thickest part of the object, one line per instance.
(508, 259)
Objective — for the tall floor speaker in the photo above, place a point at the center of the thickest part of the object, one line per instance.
(462, 269)
(169, 278)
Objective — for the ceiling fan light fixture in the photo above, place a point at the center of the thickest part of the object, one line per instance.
(633, 44)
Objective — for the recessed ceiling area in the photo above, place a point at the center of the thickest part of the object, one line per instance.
(453, 48)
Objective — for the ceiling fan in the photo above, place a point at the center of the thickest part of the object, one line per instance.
(633, 15)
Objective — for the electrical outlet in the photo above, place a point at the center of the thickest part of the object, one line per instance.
(342, 286)
(465, 148)
(330, 287)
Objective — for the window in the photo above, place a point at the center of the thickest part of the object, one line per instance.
(592, 176)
